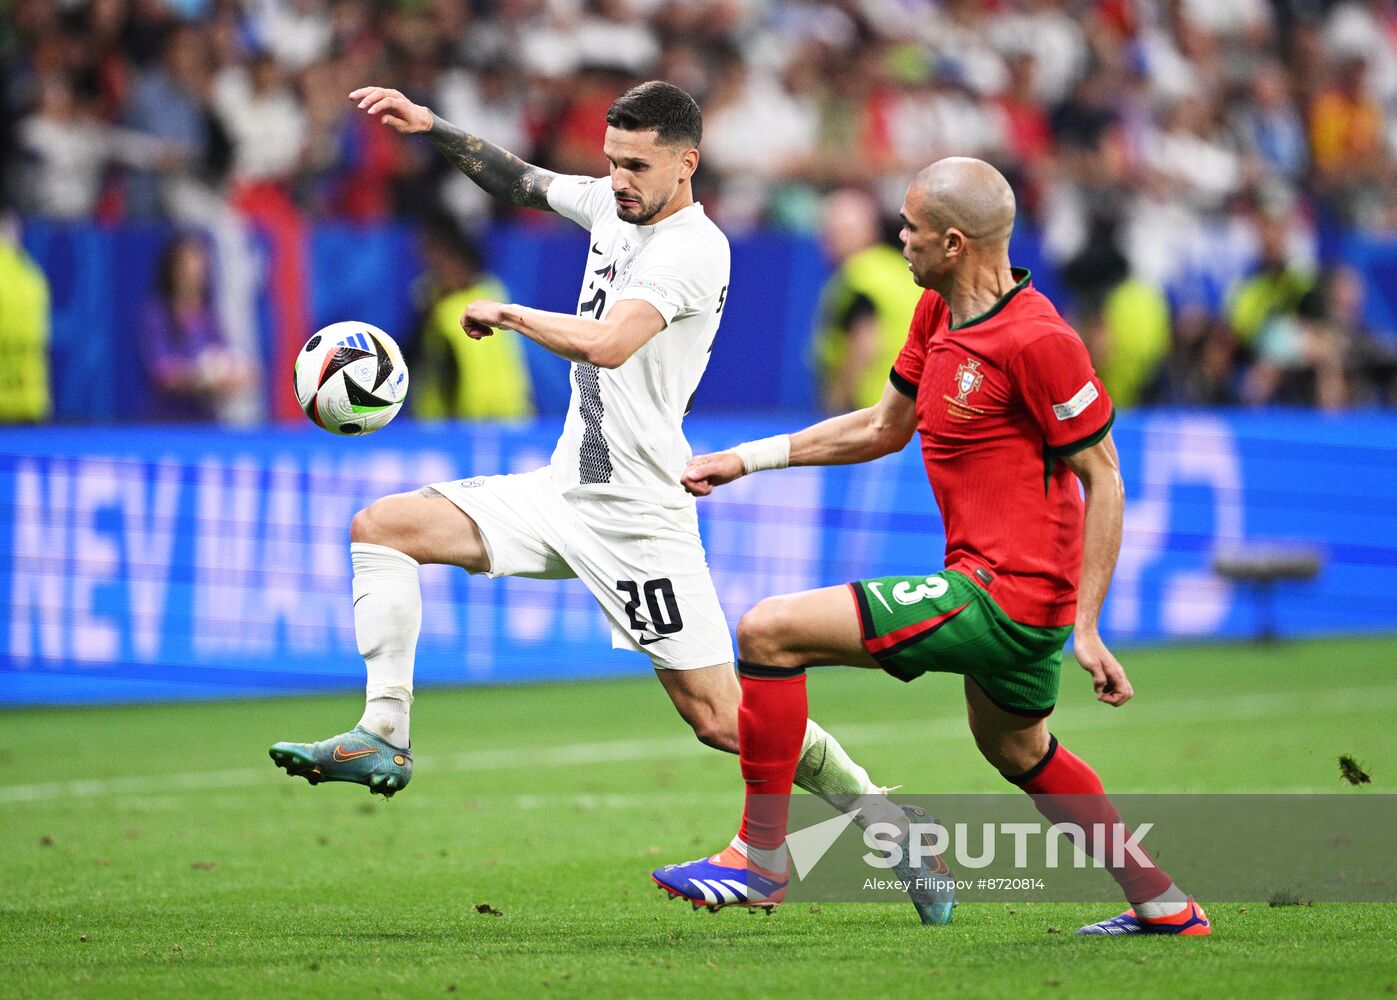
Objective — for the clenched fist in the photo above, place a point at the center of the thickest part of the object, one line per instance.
(481, 318)
(707, 471)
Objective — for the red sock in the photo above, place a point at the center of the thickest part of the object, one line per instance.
(1066, 790)
(770, 731)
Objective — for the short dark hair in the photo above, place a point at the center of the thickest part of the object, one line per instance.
(661, 108)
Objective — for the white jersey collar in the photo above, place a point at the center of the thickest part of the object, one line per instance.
(673, 219)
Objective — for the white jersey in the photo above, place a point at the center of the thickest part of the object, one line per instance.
(623, 435)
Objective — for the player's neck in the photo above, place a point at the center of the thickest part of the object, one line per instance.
(978, 291)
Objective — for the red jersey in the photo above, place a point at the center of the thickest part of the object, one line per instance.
(999, 399)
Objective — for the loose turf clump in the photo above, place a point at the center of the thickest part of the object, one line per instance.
(1352, 772)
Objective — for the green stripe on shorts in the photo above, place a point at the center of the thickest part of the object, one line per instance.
(946, 622)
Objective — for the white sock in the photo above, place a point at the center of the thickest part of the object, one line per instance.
(387, 618)
(776, 860)
(825, 769)
(828, 771)
(388, 718)
(1170, 902)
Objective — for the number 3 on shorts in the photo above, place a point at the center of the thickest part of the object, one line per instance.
(904, 593)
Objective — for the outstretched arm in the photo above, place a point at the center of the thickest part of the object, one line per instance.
(606, 343)
(1098, 467)
(499, 173)
(860, 436)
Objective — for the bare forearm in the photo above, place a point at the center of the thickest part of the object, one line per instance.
(1101, 545)
(844, 440)
(499, 173)
(860, 436)
(570, 337)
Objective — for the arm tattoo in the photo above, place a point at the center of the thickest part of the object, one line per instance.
(499, 173)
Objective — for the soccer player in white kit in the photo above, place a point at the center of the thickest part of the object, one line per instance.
(608, 508)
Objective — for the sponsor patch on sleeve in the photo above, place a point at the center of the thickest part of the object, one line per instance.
(651, 286)
(1085, 396)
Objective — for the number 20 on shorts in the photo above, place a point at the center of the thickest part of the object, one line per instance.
(660, 602)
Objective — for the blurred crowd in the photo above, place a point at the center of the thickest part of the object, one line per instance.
(1179, 159)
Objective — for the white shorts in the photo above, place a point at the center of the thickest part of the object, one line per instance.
(643, 562)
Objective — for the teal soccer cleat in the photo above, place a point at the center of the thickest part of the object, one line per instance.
(930, 884)
(358, 756)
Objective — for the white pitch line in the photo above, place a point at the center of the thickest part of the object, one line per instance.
(1241, 708)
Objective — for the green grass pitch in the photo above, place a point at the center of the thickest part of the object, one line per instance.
(155, 851)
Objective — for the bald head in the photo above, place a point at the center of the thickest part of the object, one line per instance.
(970, 195)
(956, 222)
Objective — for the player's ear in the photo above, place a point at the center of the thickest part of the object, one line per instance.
(953, 242)
(688, 160)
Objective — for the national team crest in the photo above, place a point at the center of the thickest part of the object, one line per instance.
(968, 379)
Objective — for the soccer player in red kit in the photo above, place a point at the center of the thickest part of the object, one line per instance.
(1012, 418)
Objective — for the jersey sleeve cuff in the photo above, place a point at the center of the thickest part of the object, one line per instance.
(903, 384)
(566, 195)
(667, 310)
(1081, 444)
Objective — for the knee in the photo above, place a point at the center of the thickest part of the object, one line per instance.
(764, 633)
(375, 524)
(365, 526)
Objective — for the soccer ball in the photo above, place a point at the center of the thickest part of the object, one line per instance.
(351, 379)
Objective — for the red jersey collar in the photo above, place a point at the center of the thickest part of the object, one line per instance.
(1022, 277)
